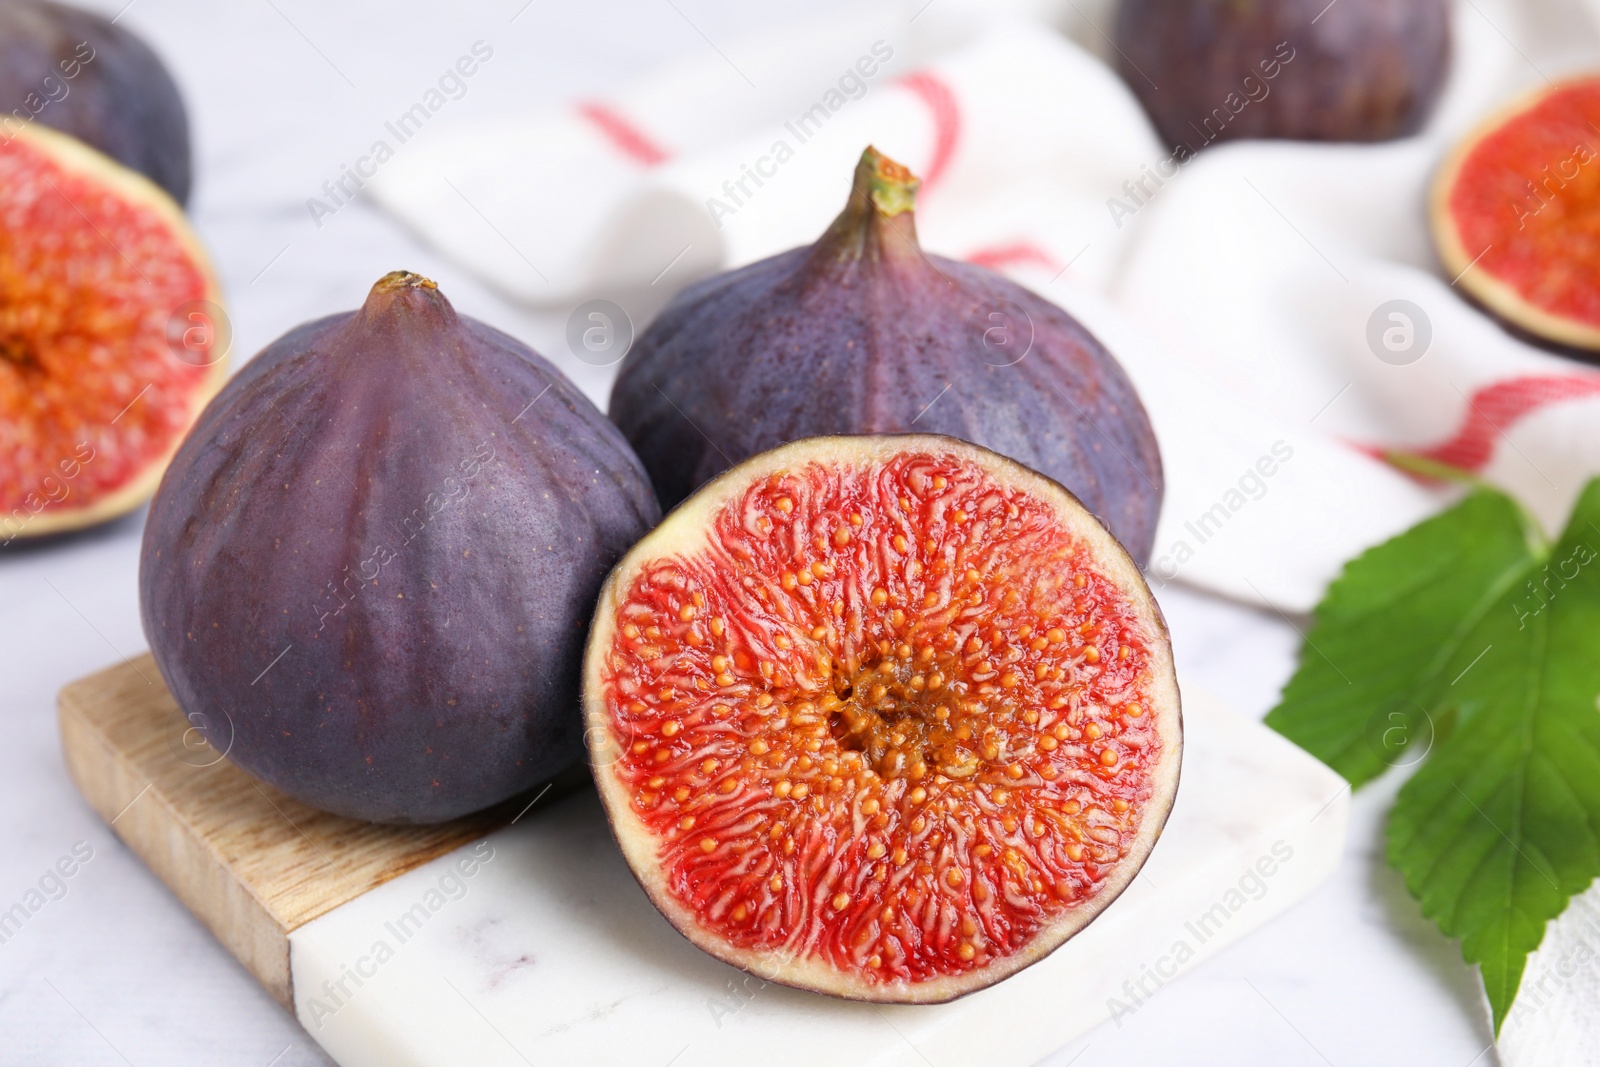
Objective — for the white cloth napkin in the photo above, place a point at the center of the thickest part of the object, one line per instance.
(1238, 296)
(1240, 292)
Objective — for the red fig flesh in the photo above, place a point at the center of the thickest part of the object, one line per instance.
(889, 718)
(111, 334)
(1516, 216)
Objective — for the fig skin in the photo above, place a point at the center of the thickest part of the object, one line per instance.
(416, 512)
(863, 332)
(1358, 70)
(79, 73)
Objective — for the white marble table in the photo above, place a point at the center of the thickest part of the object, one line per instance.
(285, 91)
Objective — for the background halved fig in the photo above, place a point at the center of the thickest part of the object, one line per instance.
(1516, 215)
(112, 337)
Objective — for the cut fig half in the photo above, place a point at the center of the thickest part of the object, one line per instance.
(1516, 215)
(884, 717)
(111, 334)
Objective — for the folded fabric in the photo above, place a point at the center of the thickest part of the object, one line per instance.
(564, 204)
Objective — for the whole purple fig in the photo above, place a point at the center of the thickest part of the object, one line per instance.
(1220, 70)
(82, 74)
(368, 573)
(863, 332)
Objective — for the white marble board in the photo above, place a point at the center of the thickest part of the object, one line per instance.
(549, 952)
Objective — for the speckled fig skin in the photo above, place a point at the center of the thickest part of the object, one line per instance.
(1358, 70)
(863, 332)
(79, 73)
(369, 571)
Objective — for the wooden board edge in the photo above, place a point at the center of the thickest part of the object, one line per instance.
(143, 818)
(164, 820)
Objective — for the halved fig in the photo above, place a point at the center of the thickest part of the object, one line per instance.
(884, 717)
(1516, 214)
(111, 334)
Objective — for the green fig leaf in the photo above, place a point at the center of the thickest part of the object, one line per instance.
(1470, 649)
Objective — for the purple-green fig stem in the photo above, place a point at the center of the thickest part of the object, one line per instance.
(881, 211)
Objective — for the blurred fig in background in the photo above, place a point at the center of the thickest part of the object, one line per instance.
(1515, 211)
(112, 337)
(79, 73)
(1222, 70)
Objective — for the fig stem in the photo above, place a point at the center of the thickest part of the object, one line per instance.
(403, 279)
(1424, 467)
(891, 187)
(1412, 463)
(882, 200)
(403, 293)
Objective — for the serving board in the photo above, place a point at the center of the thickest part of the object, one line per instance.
(518, 935)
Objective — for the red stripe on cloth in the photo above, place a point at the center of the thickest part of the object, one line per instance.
(1017, 253)
(624, 135)
(1496, 407)
(941, 102)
